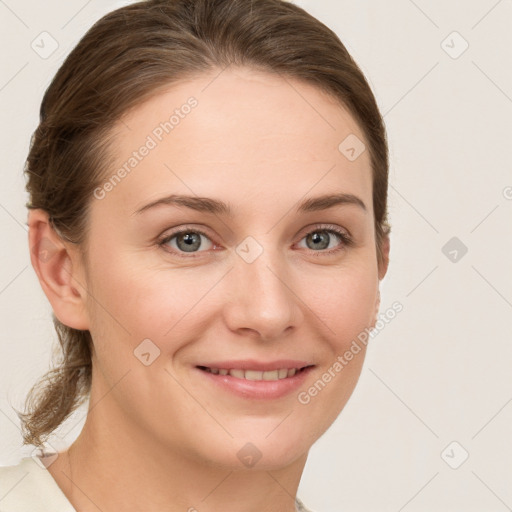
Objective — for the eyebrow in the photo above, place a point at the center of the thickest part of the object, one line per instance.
(217, 207)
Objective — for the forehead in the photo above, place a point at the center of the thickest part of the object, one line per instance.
(238, 133)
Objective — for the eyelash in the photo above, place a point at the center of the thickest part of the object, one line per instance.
(344, 237)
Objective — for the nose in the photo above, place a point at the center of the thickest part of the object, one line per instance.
(261, 299)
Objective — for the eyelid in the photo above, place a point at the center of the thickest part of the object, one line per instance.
(342, 233)
(347, 241)
(323, 226)
(164, 239)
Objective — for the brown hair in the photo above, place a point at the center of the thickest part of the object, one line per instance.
(126, 57)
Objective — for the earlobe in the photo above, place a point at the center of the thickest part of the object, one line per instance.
(383, 268)
(377, 307)
(56, 265)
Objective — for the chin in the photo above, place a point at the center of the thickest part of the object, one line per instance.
(275, 449)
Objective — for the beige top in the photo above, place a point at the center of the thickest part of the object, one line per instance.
(30, 487)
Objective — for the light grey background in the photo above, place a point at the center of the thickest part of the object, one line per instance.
(440, 371)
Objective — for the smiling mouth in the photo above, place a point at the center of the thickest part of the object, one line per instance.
(238, 373)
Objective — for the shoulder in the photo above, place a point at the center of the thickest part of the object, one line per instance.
(29, 486)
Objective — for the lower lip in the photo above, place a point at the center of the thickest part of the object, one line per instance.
(258, 389)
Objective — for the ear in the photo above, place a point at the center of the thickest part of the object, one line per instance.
(58, 267)
(377, 306)
(383, 267)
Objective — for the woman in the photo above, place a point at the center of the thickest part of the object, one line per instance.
(208, 219)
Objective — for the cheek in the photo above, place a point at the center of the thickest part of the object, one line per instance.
(147, 298)
(346, 308)
(133, 301)
(344, 299)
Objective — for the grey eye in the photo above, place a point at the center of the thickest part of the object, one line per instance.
(321, 238)
(186, 241)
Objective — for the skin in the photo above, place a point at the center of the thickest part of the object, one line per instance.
(169, 437)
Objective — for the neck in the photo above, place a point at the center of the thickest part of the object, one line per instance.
(113, 469)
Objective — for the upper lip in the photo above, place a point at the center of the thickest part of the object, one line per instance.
(252, 364)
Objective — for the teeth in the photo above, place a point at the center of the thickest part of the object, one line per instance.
(282, 373)
(273, 375)
(250, 374)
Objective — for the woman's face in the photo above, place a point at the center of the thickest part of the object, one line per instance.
(268, 287)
